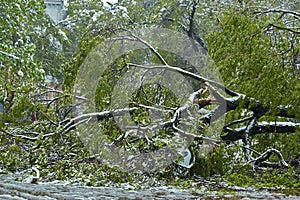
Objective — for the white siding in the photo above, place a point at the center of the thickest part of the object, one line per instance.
(55, 9)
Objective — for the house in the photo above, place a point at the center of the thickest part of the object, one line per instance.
(56, 9)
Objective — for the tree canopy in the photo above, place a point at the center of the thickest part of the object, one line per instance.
(244, 104)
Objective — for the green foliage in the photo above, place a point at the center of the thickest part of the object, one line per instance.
(30, 49)
(263, 179)
(215, 162)
(252, 58)
(249, 61)
(288, 144)
(70, 69)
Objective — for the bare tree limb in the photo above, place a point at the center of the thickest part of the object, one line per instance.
(267, 10)
(259, 128)
(238, 122)
(246, 139)
(183, 72)
(10, 55)
(266, 155)
(151, 48)
(290, 29)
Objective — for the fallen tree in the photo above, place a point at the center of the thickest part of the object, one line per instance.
(217, 97)
(250, 113)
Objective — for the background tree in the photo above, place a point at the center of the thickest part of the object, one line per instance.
(30, 49)
(20, 71)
